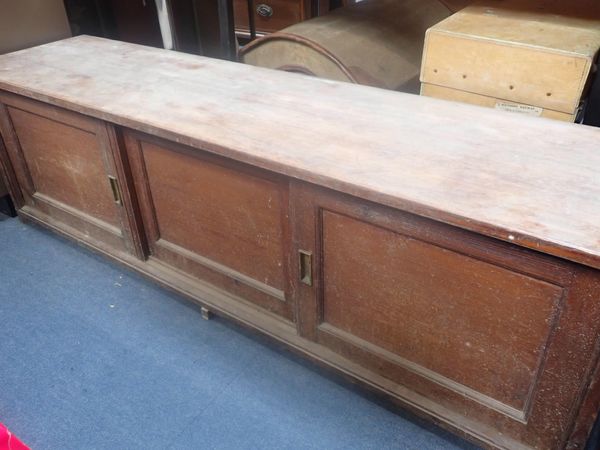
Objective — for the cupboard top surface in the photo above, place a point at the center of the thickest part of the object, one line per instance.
(526, 180)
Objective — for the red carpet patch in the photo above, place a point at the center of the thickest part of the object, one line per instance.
(9, 441)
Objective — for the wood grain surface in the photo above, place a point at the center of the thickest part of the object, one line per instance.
(218, 220)
(63, 165)
(529, 181)
(539, 53)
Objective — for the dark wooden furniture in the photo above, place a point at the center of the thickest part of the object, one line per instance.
(269, 15)
(203, 27)
(445, 255)
(6, 205)
(129, 21)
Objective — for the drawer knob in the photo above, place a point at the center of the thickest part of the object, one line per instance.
(264, 10)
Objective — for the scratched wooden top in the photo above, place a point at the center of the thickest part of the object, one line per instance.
(530, 181)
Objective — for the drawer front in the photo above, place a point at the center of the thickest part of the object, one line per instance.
(269, 15)
(67, 171)
(215, 220)
(477, 327)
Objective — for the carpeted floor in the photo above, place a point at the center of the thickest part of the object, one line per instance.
(93, 356)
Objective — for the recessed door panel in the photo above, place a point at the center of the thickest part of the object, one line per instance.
(464, 327)
(66, 164)
(216, 220)
(459, 319)
(70, 173)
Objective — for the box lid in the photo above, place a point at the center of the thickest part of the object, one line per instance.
(538, 52)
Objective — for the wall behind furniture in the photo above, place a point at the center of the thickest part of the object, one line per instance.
(25, 23)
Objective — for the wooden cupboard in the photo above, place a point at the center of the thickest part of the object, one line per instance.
(338, 239)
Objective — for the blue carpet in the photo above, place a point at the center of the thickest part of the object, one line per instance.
(92, 356)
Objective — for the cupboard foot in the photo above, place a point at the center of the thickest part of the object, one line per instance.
(206, 313)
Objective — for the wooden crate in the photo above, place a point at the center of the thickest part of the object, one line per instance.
(531, 56)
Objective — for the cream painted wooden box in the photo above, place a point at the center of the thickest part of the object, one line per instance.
(529, 56)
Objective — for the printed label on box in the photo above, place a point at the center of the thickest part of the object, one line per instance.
(520, 109)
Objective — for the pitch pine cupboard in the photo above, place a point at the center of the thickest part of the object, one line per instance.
(445, 255)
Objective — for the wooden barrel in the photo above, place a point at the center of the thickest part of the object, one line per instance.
(374, 42)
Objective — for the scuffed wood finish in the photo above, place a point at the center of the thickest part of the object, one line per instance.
(222, 222)
(62, 162)
(476, 325)
(500, 319)
(523, 180)
(333, 236)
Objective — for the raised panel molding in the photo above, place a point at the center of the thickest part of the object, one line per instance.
(224, 224)
(224, 270)
(401, 295)
(70, 168)
(63, 162)
(109, 228)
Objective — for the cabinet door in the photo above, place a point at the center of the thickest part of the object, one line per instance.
(215, 220)
(486, 336)
(65, 166)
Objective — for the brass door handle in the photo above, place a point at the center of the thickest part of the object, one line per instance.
(305, 267)
(116, 191)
